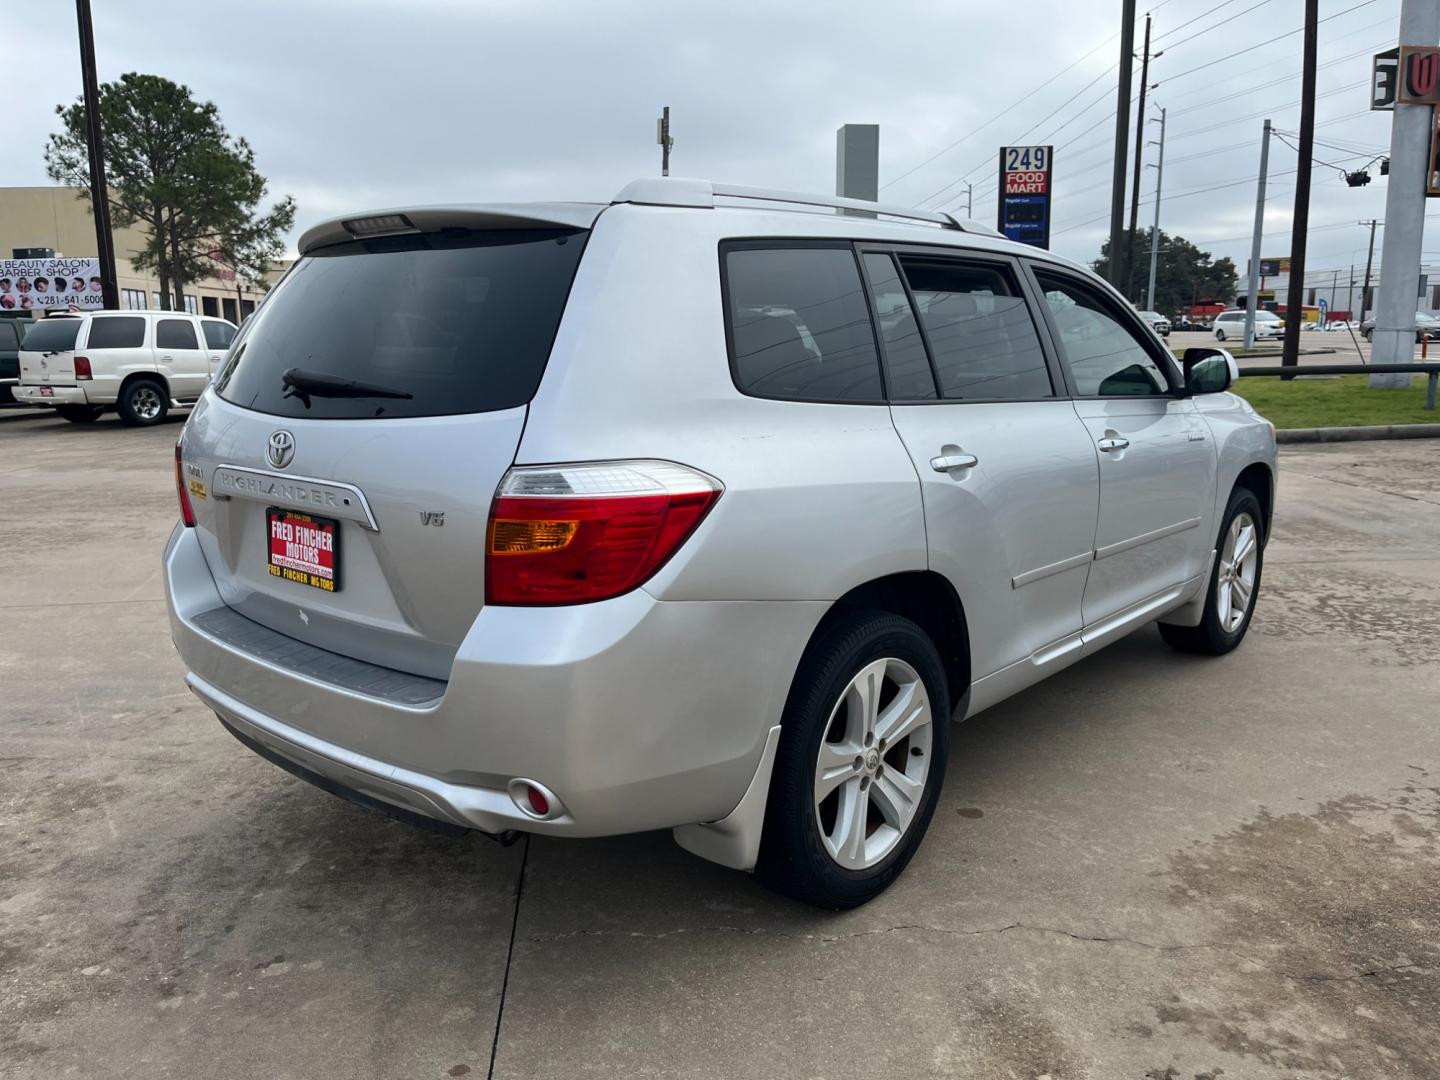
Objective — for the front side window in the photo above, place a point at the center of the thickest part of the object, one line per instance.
(175, 334)
(799, 324)
(979, 330)
(121, 332)
(1106, 358)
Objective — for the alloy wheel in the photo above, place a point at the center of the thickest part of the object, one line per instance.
(1239, 560)
(146, 402)
(873, 764)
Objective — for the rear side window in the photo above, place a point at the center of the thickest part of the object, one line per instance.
(218, 335)
(907, 366)
(175, 334)
(121, 332)
(799, 323)
(979, 331)
(51, 335)
(442, 323)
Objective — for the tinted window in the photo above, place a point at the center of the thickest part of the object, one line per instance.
(218, 335)
(9, 336)
(116, 333)
(461, 321)
(907, 367)
(52, 335)
(800, 324)
(175, 334)
(1105, 356)
(979, 331)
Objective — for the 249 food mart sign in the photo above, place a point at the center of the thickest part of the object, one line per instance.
(1023, 211)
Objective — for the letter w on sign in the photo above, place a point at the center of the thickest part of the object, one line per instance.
(1419, 75)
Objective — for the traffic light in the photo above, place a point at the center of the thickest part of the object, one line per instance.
(1385, 166)
(1357, 179)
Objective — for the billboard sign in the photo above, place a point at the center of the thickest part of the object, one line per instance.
(1023, 211)
(1419, 82)
(1274, 267)
(1384, 76)
(50, 285)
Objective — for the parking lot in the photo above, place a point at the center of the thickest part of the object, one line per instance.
(1150, 866)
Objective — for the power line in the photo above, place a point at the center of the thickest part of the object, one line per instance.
(1202, 33)
(1196, 19)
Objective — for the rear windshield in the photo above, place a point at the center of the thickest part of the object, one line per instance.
(51, 335)
(432, 325)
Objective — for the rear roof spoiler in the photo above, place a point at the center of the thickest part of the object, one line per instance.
(412, 219)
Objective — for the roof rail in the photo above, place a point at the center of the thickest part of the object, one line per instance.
(679, 191)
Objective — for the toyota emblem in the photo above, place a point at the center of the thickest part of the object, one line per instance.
(280, 449)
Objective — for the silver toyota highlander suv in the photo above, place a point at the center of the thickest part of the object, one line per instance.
(702, 510)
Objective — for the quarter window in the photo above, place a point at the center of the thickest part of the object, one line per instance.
(981, 337)
(218, 335)
(1105, 357)
(175, 334)
(799, 324)
(121, 332)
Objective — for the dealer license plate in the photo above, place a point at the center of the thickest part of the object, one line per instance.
(304, 548)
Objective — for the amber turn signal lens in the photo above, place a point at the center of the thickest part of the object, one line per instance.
(512, 537)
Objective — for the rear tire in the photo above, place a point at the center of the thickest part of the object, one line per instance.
(143, 403)
(861, 760)
(1219, 335)
(1234, 582)
(79, 414)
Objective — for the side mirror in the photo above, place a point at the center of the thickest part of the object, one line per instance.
(1209, 371)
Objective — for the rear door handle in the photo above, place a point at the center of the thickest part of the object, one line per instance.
(946, 462)
(1114, 442)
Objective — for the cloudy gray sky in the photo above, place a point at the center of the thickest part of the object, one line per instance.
(366, 103)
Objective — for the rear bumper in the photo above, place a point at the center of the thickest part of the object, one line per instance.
(29, 394)
(637, 714)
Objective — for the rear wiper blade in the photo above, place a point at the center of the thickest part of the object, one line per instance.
(302, 384)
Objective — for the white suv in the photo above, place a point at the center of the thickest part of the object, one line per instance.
(140, 362)
(1231, 325)
(690, 512)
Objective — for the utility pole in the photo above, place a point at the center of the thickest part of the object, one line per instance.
(1350, 297)
(1155, 228)
(662, 136)
(1122, 136)
(1139, 168)
(1334, 292)
(1300, 223)
(1369, 262)
(1251, 299)
(969, 200)
(1394, 336)
(95, 147)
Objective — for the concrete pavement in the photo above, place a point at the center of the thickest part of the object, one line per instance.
(1151, 866)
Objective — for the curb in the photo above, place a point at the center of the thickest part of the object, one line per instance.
(1357, 434)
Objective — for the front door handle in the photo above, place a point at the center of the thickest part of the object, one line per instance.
(1113, 442)
(946, 462)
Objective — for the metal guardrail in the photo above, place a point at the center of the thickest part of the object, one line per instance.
(1431, 384)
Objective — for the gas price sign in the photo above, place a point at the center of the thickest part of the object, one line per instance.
(1024, 202)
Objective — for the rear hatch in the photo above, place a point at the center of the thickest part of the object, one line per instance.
(47, 354)
(348, 458)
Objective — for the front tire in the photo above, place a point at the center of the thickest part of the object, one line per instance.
(79, 414)
(143, 403)
(861, 761)
(1234, 582)
(1219, 335)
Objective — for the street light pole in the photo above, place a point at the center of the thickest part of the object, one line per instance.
(1300, 224)
(1251, 300)
(1155, 229)
(95, 148)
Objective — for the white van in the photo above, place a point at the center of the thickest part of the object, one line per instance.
(141, 362)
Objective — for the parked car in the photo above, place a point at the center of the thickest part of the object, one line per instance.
(1427, 324)
(1231, 324)
(1342, 325)
(486, 556)
(11, 331)
(142, 363)
(1158, 322)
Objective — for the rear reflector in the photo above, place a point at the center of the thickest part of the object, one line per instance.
(573, 534)
(187, 512)
(82, 368)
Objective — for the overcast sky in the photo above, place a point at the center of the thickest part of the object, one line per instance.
(368, 103)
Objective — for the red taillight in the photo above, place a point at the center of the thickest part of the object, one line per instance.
(187, 512)
(82, 368)
(572, 534)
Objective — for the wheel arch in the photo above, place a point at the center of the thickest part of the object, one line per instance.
(1260, 481)
(145, 376)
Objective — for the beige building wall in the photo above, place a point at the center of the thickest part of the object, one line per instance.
(59, 218)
